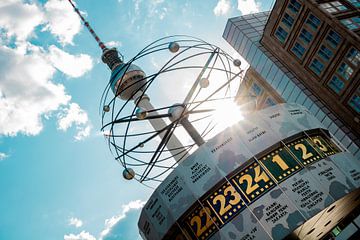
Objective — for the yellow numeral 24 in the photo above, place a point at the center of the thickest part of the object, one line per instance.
(258, 177)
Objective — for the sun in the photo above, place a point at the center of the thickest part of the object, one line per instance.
(227, 113)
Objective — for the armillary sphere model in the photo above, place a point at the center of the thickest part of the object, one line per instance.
(169, 118)
(192, 85)
(153, 120)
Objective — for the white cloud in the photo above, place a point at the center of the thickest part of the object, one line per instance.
(83, 132)
(63, 22)
(26, 92)
(19, 19)
(3, 156)
(222, 7)
(71, 65)
(248, 6)
(81, 236)
(74, 115)
(75, 222)
(111, 222)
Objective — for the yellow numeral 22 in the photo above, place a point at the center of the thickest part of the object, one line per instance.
(196, 221)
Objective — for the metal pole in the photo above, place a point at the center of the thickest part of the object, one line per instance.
(173, 145)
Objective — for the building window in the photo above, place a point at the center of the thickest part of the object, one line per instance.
(353, 56)
(333, 39)
(298, 50)
(336, 84)
(351, 23)
(306, 36)
(269, 102)
(355, 3)
(281, 34)
(256, 89)
(288, 20)
(313, 21)
(345, 71)
(354, 101)
(294, 6)
(325, 53)
(316, 66)
(333, 7)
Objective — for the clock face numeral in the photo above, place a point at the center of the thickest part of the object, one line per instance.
(201, 222)
(245, 185)
(253, 181)
(227, 200)
(326, 147)
(322, 145)
(281, 164)
(304, 151)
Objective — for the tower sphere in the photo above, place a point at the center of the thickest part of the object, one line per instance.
(237, 62)
(204, 82)
(128, 173)
(126, 80)
(174, 47)
(106, 108)
(140, 114)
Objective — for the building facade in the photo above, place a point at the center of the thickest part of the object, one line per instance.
(255, 88)
(245, 35)
(318, 42)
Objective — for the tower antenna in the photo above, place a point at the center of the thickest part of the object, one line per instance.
(109, 56)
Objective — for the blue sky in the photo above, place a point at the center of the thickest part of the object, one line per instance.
(57, 178)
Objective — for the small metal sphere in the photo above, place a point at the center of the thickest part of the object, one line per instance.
(174, 47)
(176, 112)
(128, 173)
(141, 145)
(140, 114)
(237, 62)
(204, 82)
(106, 108)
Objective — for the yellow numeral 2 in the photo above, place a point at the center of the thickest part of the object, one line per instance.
(305, 153)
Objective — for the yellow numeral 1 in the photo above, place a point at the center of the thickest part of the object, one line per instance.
(279, 161)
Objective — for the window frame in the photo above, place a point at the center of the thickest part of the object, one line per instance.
(336, 73)
(353, 23)
(283, 25)
(326, 43)
(357, 92)
(336, 8)
(305, 26)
